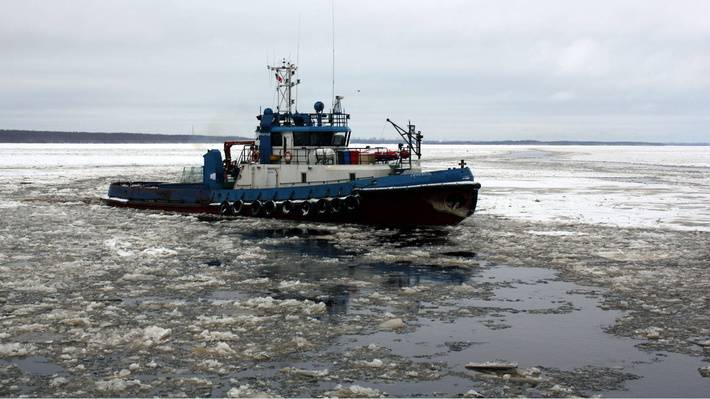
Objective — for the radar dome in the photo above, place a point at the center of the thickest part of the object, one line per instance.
(319, 106)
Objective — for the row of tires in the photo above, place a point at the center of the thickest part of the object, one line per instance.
(323, 206)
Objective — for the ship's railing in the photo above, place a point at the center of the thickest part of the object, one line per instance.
(247, 155)
(314, 119)
(337, 156)
(326, 155)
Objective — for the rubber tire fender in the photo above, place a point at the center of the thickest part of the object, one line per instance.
(287, 207)
(225, 209)
(306, 208)
(238, 207)
(322, 206)
(352, 202)
(269, 208)
(256, 207)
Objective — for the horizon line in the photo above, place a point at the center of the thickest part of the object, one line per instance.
(165, 137)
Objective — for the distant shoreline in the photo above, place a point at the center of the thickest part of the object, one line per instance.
(53, 137)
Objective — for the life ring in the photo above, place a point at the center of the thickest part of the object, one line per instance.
(255, 156)
(287, 156)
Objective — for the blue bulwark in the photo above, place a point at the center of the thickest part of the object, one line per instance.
(305, 192)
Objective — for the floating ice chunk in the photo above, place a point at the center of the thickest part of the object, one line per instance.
(262, 280)
(216, 320)
(208, 335)
(301, 342)
(392, 324)
(464, 289)
(379, 297)
(561, 389)
(268, 303)
(704, 371)
(409, 290)
(116, 385)
(16, 349)
(195, 381)
(124, 373)
(134, 366)
(289, 284)
(650, 332)
(472, 393)
(137, 277)
(57, 381)
(374, 363)
(120, 247)
(222, 348)
(253, 354)
(156, 334)
(77, 322)
(554, 233)
(305, 373)
(219, 349)
(354, 391)
(212, 365)
(159, 252)
(7, 204)
(246, 391)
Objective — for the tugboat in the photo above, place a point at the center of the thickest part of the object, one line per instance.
(300, 166)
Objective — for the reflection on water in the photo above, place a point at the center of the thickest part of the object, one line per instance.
(35, 365)
(415, 237)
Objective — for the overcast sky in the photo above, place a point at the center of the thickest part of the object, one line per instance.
(600, 70)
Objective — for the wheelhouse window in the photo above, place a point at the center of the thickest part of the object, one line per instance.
(339, 139)
(277, 139)
(314, 139)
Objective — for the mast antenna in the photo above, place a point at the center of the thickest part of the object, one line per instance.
(298, 48)
(298, 38)
(332, 90)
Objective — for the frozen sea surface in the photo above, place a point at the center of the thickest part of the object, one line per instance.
(655, 187)
(586, 266)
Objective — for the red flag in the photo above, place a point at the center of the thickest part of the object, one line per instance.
(279, 78)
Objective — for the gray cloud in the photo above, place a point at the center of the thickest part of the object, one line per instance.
(459, 69)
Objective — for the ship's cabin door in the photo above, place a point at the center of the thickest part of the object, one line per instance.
(272, 178)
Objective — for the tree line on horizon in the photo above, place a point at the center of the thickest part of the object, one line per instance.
(38, 136)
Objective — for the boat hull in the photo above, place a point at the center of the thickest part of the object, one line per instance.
(434, 204)
(441, 197)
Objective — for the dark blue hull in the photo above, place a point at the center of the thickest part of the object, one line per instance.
(433, 198)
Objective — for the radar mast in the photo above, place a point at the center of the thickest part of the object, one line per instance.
(285, 81)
